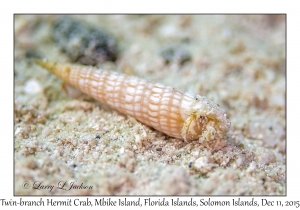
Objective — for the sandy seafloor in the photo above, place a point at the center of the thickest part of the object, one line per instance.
(236, 61)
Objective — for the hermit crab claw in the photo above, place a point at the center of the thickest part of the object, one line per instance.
(207, 123)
